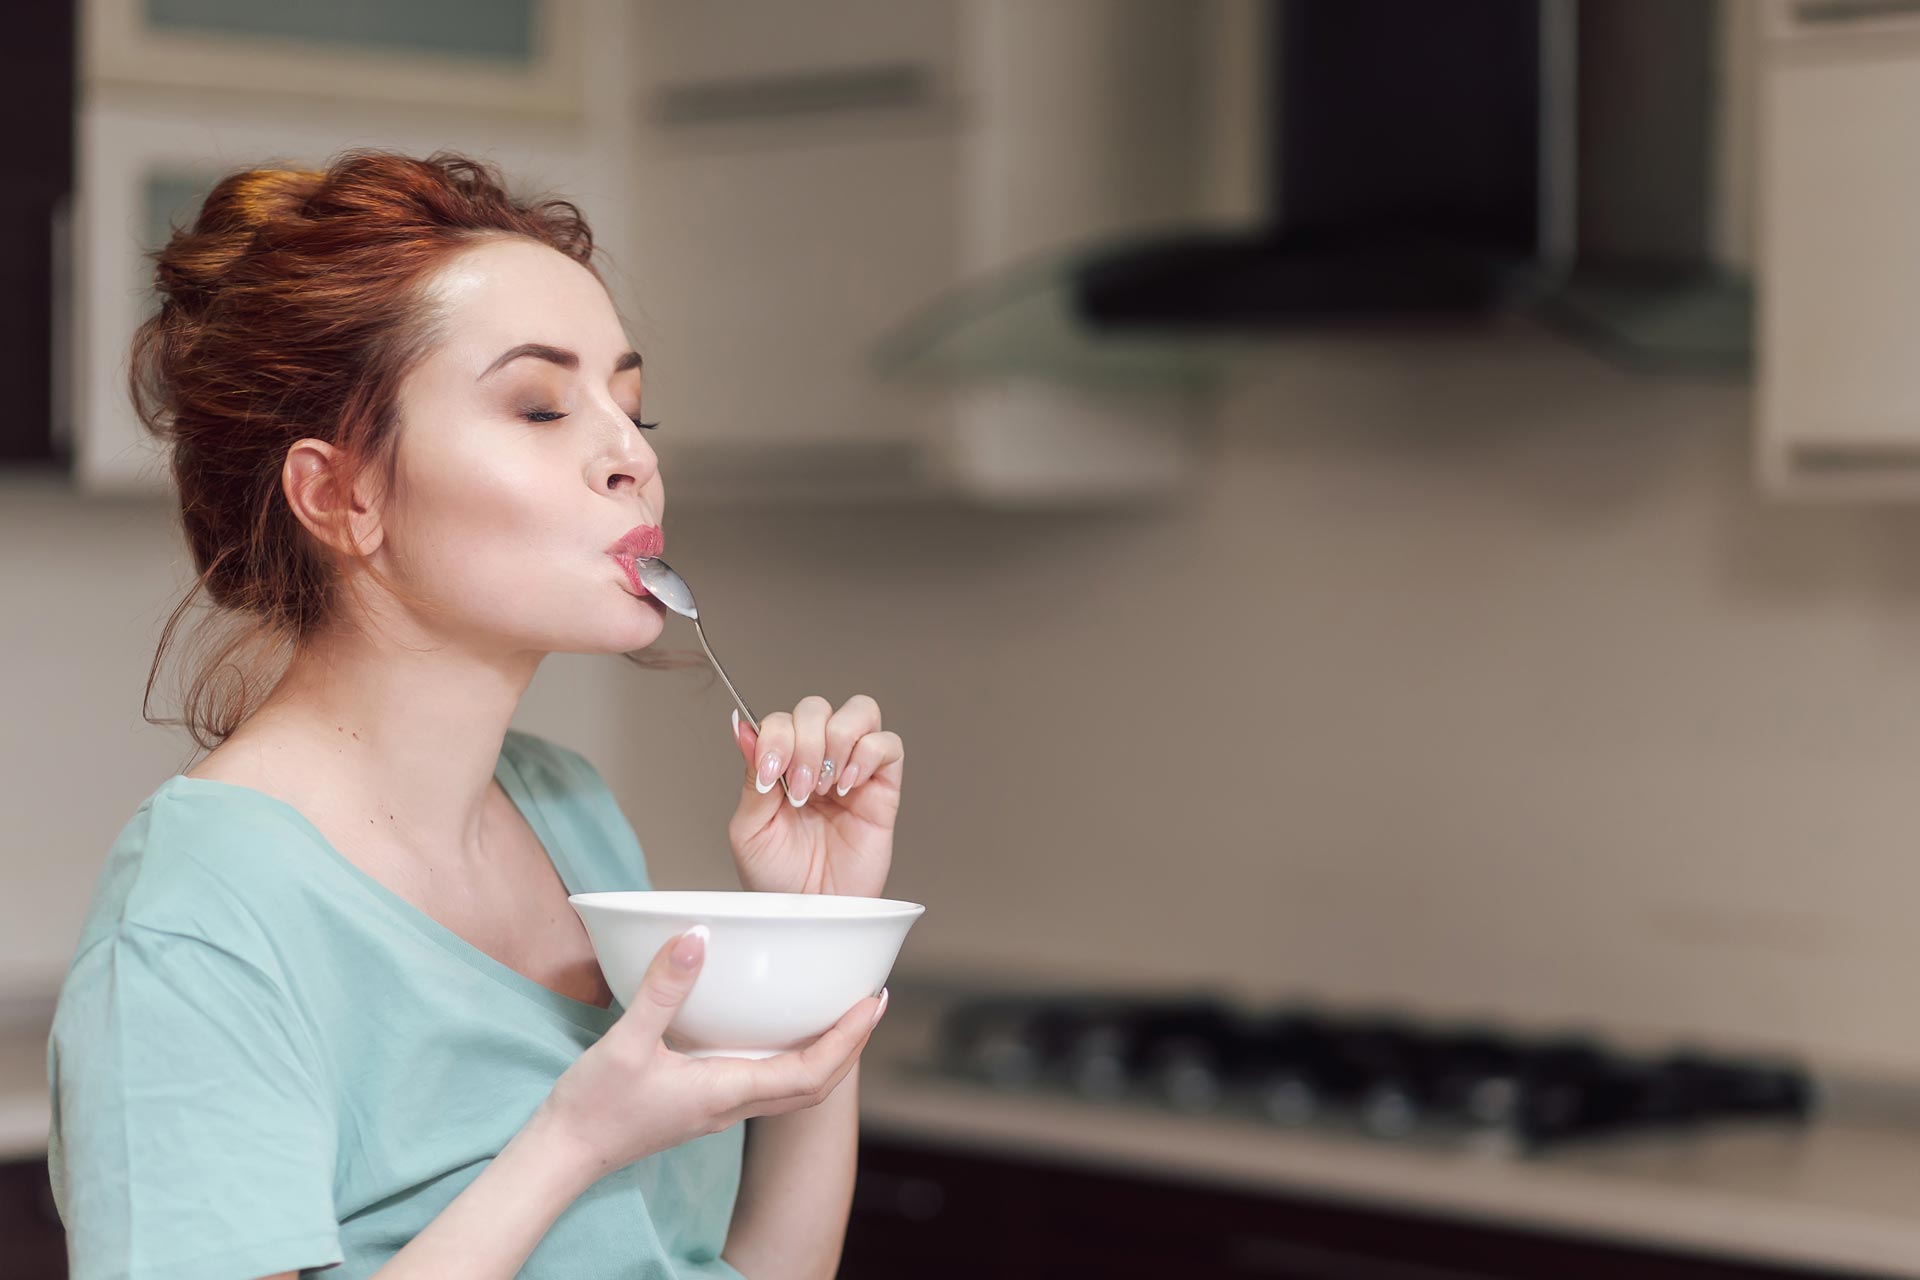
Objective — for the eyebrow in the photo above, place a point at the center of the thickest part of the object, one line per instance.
(557, 355)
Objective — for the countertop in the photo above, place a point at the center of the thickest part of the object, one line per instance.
(1837, 1193)
(1842, 1194)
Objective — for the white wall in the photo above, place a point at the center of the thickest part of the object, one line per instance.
(1477, 680)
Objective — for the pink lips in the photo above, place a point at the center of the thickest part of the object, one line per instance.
(642, 542)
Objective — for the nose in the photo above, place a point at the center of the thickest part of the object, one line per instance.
(626, 461)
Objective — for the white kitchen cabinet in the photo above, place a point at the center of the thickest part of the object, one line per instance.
(1838, 159)
(763, 280)
(796, 192)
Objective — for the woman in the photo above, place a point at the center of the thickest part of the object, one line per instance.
(330, 1004)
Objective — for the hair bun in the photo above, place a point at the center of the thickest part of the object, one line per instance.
(190, 269)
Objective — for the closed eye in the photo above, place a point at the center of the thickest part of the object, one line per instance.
(554, 415)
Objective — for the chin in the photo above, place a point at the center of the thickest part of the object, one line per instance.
(638, 626)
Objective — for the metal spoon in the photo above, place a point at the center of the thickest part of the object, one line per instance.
(658, 577)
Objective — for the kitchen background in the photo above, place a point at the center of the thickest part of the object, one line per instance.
(1559, 675)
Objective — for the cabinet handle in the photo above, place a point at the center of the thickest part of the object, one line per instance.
(882, 87)
(1836, 13)
(1856, 459)
(1814, 20)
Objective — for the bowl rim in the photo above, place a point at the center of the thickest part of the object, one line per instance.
(869, 908)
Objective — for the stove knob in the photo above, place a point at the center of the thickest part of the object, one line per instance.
(1185, 1074)
(1492, 1101)
(1005, 1059)
(1096, 1066)
(1288, 1098)
(1389, 1111)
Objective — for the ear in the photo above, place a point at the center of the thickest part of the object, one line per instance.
(311, 477)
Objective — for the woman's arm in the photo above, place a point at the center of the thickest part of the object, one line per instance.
(796, 1190)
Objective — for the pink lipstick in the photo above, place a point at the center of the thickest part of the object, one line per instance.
(643, 542)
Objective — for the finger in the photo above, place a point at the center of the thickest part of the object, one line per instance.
(756, 808)
(825, 1091)
(809, 746)
(743, 739)
(751, 1095)
(665, 985)
(793, 1077)
(841, 1072)
(774, 749)
(835, 1048)
(858, 716)
(873, 753)
(846, 1064)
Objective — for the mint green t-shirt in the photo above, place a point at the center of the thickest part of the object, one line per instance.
(264, 1060)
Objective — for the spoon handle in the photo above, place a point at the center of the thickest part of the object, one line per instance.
(738, 701)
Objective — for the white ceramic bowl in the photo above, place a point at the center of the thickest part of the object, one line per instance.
(781, 968)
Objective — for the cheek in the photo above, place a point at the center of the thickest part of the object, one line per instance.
(477, 524)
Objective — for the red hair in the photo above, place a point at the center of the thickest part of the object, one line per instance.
(294, 307)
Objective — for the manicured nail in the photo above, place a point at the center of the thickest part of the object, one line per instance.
(769, 770)
(826, 778)
(846, 783)
(688, 953)
(735, 716)
(800, 786)
(880, 1008)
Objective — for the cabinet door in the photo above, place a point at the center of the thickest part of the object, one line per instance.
(768, 267)
(1839, 327)
(927, 1210)
(144, 165)
(33, 1244)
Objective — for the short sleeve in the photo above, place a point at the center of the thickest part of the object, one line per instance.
(192, 1134)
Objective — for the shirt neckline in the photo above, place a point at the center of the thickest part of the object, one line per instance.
(513, 782)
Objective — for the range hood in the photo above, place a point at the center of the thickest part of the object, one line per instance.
(1344, 162)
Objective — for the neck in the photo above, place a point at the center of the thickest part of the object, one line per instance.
(393, 743)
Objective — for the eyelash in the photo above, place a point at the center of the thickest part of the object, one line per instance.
(553, 415)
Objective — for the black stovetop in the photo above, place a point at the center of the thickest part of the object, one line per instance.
(1390, 1077)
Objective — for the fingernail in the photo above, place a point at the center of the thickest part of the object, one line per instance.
(769, 770)
(693, 944)
(734, 715)
(800, 786)
(826, 780)
(846, 783)
(880, 1008)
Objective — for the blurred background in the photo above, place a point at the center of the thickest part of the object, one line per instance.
(1391, 529)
